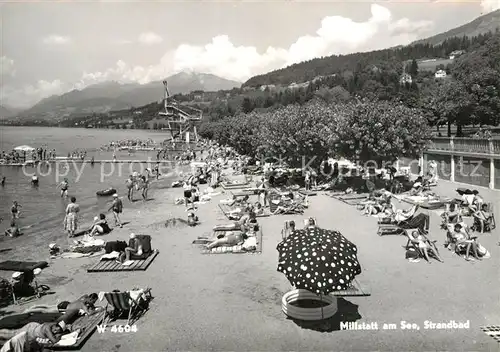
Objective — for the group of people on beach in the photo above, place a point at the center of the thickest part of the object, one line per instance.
(37, 154)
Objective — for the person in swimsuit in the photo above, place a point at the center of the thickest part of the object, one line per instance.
(242, 224)
(230, 239)
(187, 193)
(71, 219)
(15, 210)
(117, 208)
(34, 180)
(13, 230)
(130, 187)
(3, 181)
(145, 187)
(424, 246)
(31, 337)
(135, 248)
(100, 226)
(64, 187)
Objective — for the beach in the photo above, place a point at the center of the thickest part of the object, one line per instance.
(232, 302)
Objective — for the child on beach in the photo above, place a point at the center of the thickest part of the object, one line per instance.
(117, 208)
(15, 210)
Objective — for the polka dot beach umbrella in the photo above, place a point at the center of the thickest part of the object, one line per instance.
(318, 260)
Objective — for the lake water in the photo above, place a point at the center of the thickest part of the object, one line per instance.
(42, 207)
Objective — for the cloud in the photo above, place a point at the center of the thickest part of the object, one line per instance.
(490, 5)
(55, 39)
(7, 66)
(31, 94)
(149, 38)
(222, 57)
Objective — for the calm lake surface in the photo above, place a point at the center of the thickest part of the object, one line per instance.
(42, 207)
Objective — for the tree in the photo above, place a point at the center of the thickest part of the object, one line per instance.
(379, 131)
(413, 69)
(247, 105)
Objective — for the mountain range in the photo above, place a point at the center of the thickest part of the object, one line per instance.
(489, 22)
(107, 96)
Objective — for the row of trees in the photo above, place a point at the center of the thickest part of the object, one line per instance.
(380, 131)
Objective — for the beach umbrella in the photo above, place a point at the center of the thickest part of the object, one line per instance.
(318, 260)
(24, 148)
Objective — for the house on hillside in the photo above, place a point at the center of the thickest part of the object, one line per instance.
(456, 53)
(440, 74)
(405, 78)
(270, 87)
(296, 85)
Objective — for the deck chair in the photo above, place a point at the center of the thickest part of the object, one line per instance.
(432, 243)
(122, 303)
(489, 224)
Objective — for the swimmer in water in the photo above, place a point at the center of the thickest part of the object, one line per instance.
(64, 187)
(34, 180)
(13, 230)
(15, 210)
(3, 181)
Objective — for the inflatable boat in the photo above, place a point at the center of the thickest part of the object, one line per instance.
(106, 192)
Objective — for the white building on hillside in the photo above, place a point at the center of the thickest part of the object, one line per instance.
(440, 74)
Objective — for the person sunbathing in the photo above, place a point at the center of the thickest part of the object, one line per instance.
(408, 220)
(83, 305)
(100, 226)
(134, 249)
(461, 238)
(31, 337)
(230, 239)
(452, 216)
(192, 219)
(245, 220)
(424, 245)
(258, 209)
(482, 216)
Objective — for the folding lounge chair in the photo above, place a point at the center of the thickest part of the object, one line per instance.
(490, 223)
(123, 303)
(432, 243)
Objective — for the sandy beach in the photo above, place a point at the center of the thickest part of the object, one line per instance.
(232, 302)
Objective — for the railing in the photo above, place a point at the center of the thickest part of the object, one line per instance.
(466, 145)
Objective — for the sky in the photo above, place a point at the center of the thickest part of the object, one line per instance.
(49, 48)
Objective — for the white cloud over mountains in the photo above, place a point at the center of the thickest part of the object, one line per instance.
(490, 5)
(222, 57)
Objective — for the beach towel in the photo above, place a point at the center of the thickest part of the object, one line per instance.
(68, 339)
(111, 256)
(12, 265)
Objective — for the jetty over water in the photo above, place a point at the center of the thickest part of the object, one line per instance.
(104, 161)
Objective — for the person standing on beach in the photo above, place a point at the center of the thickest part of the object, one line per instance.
(187, 192)
(71, 219)
(117, 208)
(64, 187)
(130, 188)
(15, 210)
(145, 187)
